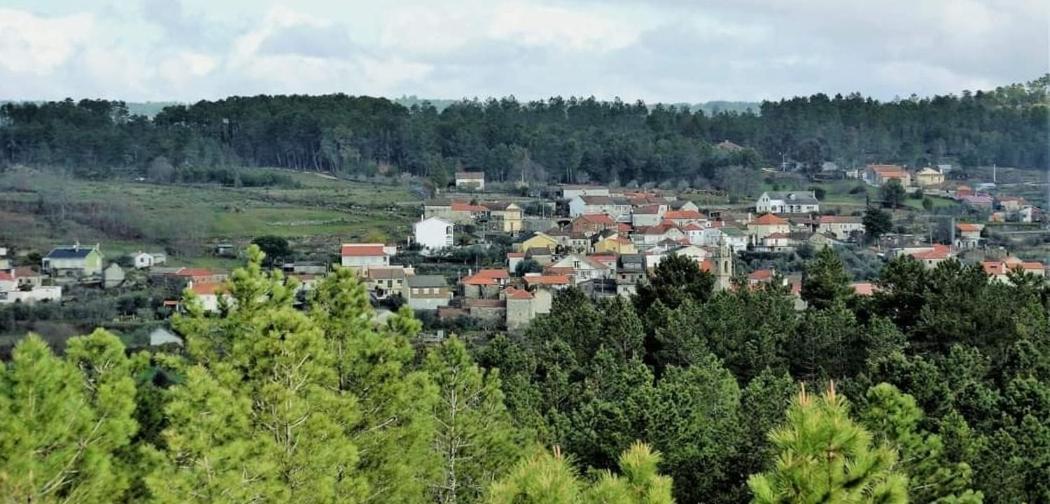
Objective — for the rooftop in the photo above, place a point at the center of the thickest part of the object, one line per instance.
(361, 250)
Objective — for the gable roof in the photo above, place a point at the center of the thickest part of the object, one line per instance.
(802, 197)
(602, 219)
(514, 293)
(683, 214)
(886, 170)
(470, 175)
(937, 251)
(967, 227)
(489, 276)
(426, 281)
(596, 200)
(208, 288)
(361, 250)
(459, 206)
(532, 280)
(839, 219)
(70, 252)
(770, 219)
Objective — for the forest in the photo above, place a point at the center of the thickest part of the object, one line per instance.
(934, 389)
(553, 140)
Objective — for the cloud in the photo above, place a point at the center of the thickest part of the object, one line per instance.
(666, 50)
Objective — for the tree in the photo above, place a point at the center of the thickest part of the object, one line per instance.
(895, 417)
(676, 279)
(877, 222)
(275, 247)
(64, 423)
(475, 440)
(892, 194)
(825, 281)
(550, 478)
(823, 456)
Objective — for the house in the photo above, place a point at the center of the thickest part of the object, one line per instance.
(1010, 203)
(541, 255)
(1029, 214)
(539, 280)
(615, 244)
(486, 283)
(648, 215)
(8, 281)
(575, 242)
(513, 260)
(766, 225)
(457, 212)
(969, 235)
(569, 192)
(998, 270)
(652, 235)
(684, 217)
(614, 207)
(112, 276)
(199, 275)
(630, 271)
(51, 293)
(930, 256)
(73, 261)
(538, 240)
(360, 256)
(27, 278)
(142, 260)
(225, 250)
(470, 180)
(209, 293)
(928, 177)
(582, 268)
(433, 234)
(590, 224)
(520, 309)
(880, 174)
(777, 242)
(682, 204)
(792, 202)
(842, 227)
(427, 292)
(977, 200)
(504, 217)
(386, 282)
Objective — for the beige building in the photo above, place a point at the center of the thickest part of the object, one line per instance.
(928, 177)
(504, 217)
(841, 226)
(470, 180)
(877, 174)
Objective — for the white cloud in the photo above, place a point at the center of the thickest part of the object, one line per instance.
(39, 45)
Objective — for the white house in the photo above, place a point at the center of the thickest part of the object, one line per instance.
(778, 202)
(365, 255)
(433, 233)
(571, 191)
(590, 205)
(470, 180)
(142, 260)
(45, 293)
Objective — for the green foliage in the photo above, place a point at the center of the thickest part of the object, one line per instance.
(275, 247)
(823, 456)
(892, 194)
(551, 479)
(825, 281)
(877, 222)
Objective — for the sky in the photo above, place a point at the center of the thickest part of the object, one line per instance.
(672, 51)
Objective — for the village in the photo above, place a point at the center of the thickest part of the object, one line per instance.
(602, 240)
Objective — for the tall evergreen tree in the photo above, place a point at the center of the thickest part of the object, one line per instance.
(823, 456)
(825, 281)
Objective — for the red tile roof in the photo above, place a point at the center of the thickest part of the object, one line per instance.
(195, 272)
(361, 250)
(597, 219)
(966, 227)
(6, 276)
(458, 206)
(486, 277)
(770, 219)
(864, 288)
(513, 293)
(838, 219)
(762, 275)
(532, 280)
(938, 251)
(206, 288)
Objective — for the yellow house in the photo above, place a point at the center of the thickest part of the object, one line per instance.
(929, 177)
(615, 245)
(538, 240)
(505, 217)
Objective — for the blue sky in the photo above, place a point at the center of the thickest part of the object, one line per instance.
(670, 50)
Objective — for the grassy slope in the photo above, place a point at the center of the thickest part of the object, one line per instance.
(322, 209)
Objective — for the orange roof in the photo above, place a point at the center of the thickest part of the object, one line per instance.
(623, 227)
(693, 227)
(486, 277)
(762, 275)
(513, 293)
(888, 170)
(546, 280)
(361, 250)
(458, 206)
(938, 251)
(777, 236)
(597, 219)
(770, 219)
(683, 214)
(515, 254)
(707, 265)
(966, 227)
(6, 276)
(195, 272)
(206, 288)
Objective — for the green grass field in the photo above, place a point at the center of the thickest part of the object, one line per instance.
(126, 216)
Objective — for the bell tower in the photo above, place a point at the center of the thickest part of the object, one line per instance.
(724, 263)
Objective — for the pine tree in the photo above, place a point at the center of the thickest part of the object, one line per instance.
(932, 477)
(825, 281)
(264, 353)
(396, 431)
(475, 440)
(64, 422)
(823, 456)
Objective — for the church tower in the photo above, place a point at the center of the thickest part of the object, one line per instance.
(724, 265)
